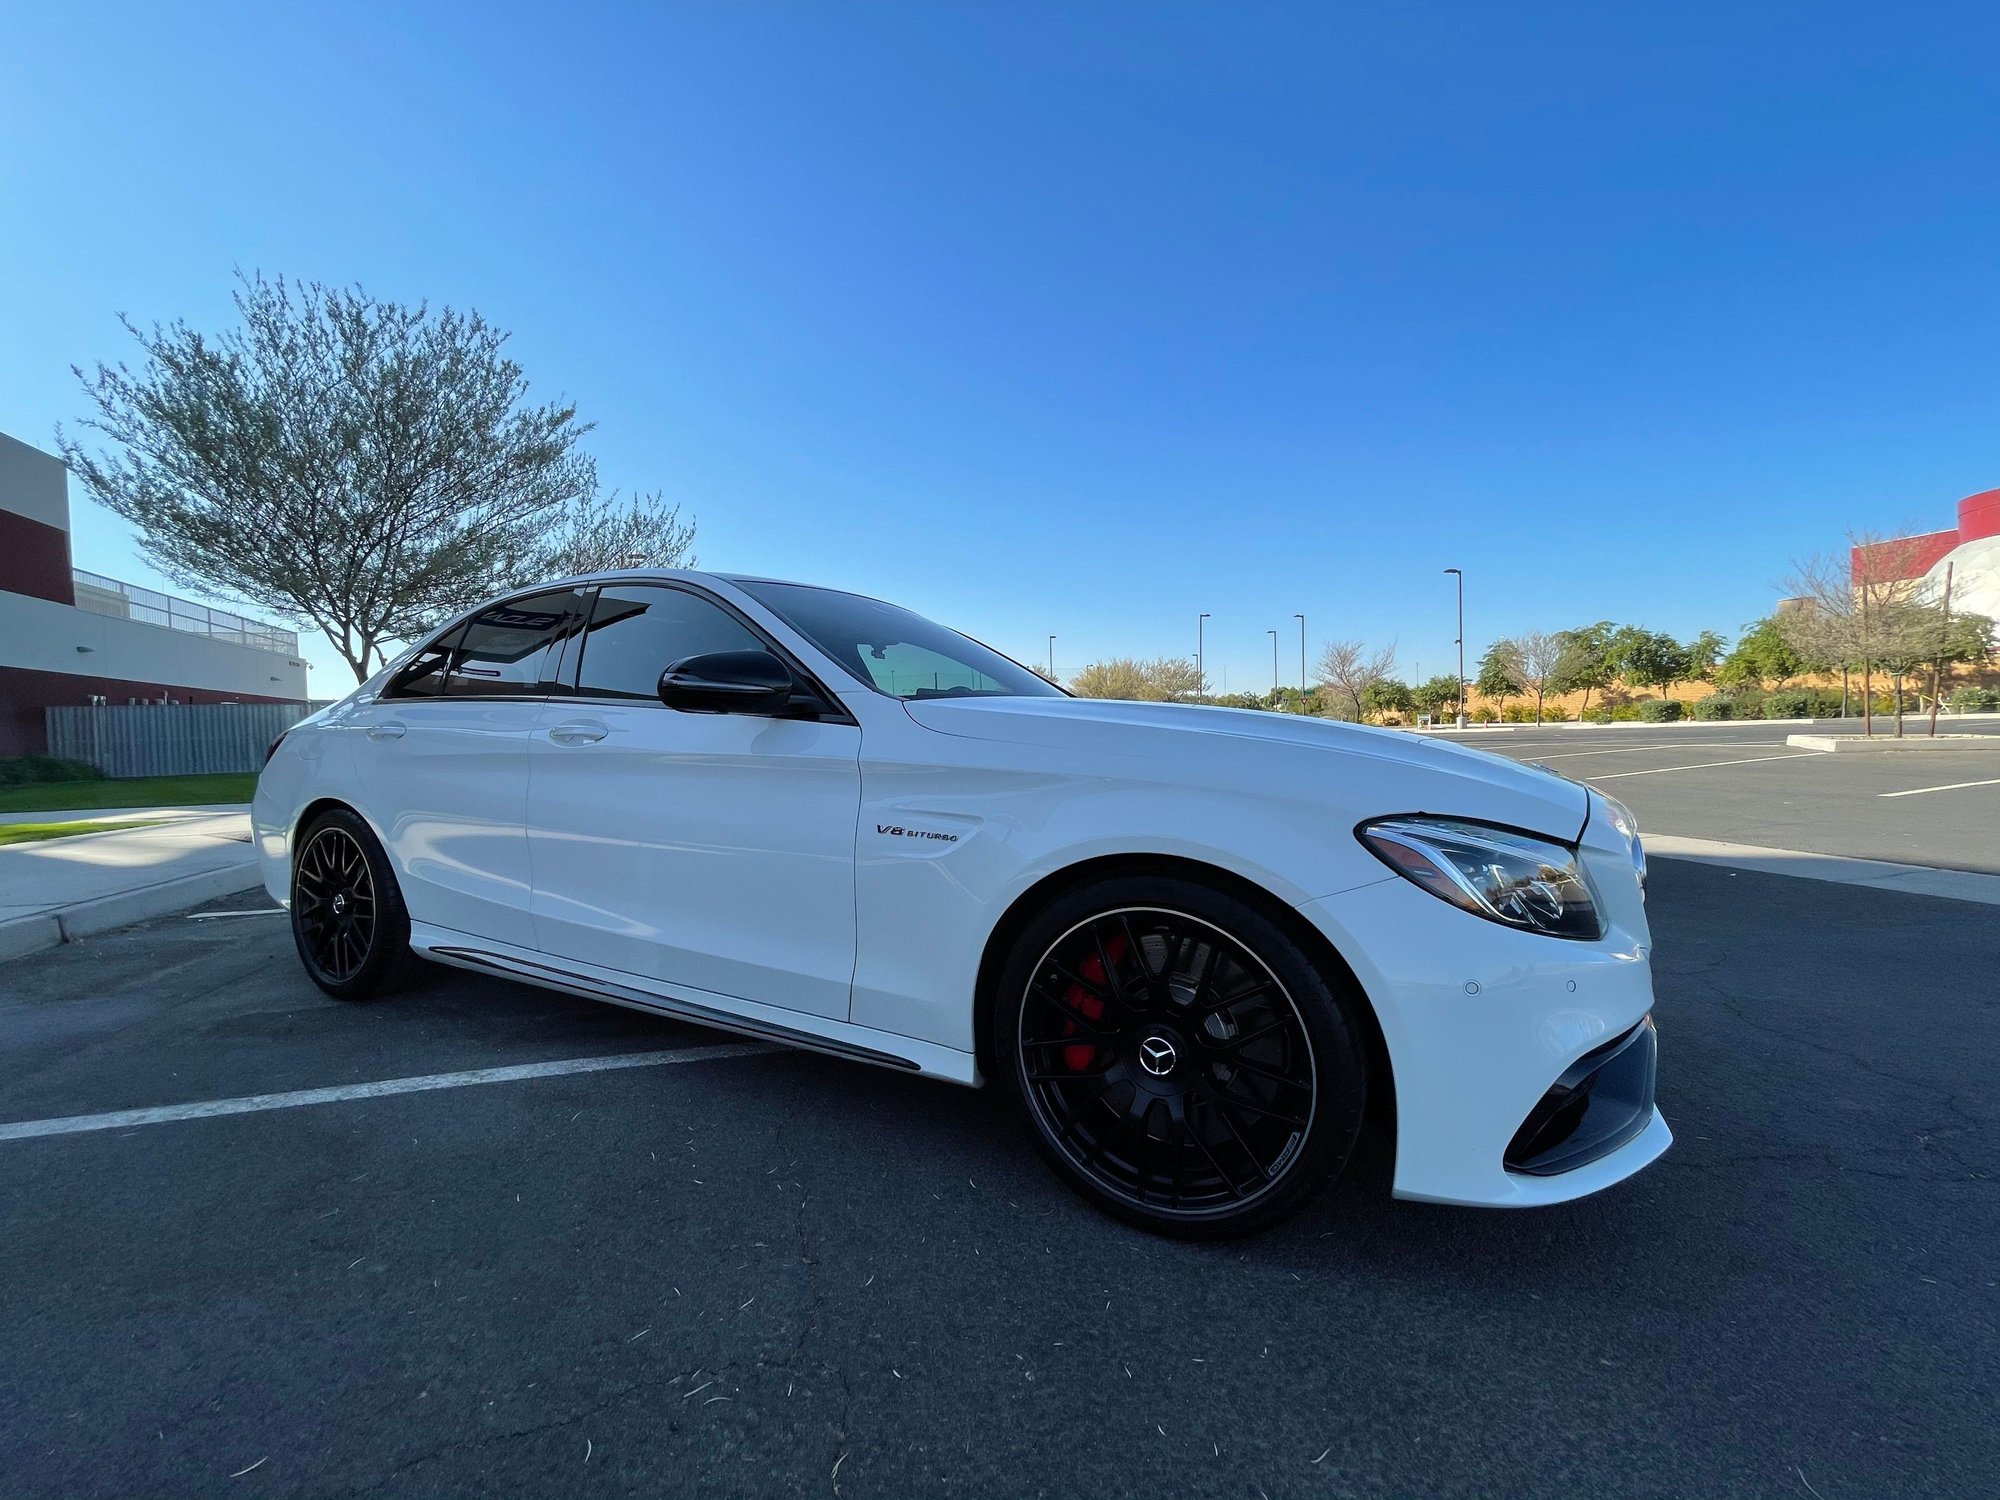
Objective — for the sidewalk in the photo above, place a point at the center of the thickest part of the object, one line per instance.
(65, 889)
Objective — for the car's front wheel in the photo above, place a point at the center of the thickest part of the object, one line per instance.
(348, 917)
(1176, 1056)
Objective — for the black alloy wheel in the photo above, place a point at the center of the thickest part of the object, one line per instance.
(348, 919)
(1180, 1059)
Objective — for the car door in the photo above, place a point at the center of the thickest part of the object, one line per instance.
(442, 761)
(708, 850)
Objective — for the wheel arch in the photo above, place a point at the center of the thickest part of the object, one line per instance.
(326, 804)
(313, 809)
(1311, 941)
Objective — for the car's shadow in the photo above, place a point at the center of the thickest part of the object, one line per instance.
(905, 1135)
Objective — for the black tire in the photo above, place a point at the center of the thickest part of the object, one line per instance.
(348, 918)
(1117, 980)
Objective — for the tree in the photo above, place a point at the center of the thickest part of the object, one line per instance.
(1646, 658)
(1500, 672)
(1703, 653)
(1121, 677)
(1174, 679)
(363, 467)
(1167, 679)
(1540, 655)
(1387, 696)
(1345, 670)
(598, 533)
(1043, 672)
(1290, 700)
(1436, 695)
(1869, 608)
(1583, 660)
(1763, 653)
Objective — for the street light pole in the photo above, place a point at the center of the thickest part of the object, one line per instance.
(1052, 658)
(1302, 661)
(1460, 576)
(1200, 657)
(1274, 666)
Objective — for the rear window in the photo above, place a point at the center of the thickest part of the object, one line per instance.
(508, 650)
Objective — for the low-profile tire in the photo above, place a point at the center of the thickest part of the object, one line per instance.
(348, 917)
(1176, 1057)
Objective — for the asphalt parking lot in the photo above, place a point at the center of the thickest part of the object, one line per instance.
(1742, 783)
(769, 1273)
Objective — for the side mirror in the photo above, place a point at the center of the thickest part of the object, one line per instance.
(726, 682)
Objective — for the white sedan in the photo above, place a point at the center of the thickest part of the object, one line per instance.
(1194, 947)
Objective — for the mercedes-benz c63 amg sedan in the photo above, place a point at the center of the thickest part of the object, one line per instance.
(1192, 946)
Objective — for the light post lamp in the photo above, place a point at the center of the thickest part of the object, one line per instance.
(1302, 661)
(1460, 576)
(1200, 657)
(1274, 666)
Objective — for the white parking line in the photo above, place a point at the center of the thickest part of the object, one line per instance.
(21, 1130)
(1949, 786)
(1702, 765)
(1629, 749)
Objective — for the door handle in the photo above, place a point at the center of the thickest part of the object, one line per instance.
(390, 730)
(578, 733)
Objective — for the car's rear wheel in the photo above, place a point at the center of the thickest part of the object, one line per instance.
(1177, 1058)
(348, 917)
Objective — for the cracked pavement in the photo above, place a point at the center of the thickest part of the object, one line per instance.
(781, 1274)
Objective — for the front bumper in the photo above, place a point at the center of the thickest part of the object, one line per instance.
(1491, 1031)
(1602, 1101)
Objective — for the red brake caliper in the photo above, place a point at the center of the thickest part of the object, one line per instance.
(1078, 1057)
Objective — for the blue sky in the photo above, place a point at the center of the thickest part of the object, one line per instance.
(1085, 319)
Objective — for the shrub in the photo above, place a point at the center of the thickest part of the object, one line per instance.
(1624, 713)
(1484, 714)
(1973, 700)
(1597, 713)
(1663, 711)
(1716, 706)
(1518, 713)
(28, 768)
(1802, 703)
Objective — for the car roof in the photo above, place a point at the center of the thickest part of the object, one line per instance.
(634, 575)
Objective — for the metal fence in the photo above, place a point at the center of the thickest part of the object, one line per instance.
(127, 601)
(170, 739)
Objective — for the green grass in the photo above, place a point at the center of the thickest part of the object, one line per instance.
(140, 791)
(34, 833)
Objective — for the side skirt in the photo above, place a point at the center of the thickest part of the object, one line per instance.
(745, 1018)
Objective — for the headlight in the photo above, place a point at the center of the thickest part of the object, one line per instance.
(1515, 879)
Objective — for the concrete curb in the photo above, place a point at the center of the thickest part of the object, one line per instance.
(68, 924)
(1880, 743)
(1876, 874)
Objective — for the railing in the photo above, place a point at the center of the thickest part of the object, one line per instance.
(127, 601)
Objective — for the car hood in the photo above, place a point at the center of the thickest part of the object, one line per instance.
(1379, 770)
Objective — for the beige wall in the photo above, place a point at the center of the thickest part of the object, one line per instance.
(33, 483)
(44, 636)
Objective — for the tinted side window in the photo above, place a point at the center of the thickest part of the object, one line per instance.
(424, 676)
(637, 631)
(507, 649)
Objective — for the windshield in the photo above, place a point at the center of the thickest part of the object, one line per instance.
(894, 651)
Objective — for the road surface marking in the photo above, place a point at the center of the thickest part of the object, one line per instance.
(1702, 765)
(1629, 749)
(21, 1130)
(1949, 786)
